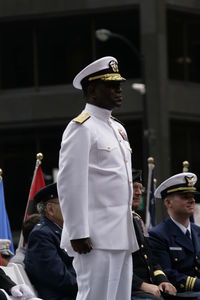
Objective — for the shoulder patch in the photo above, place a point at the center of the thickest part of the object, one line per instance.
(84, 116)
(115, 119)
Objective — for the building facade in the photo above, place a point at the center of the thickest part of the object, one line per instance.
(43, 46)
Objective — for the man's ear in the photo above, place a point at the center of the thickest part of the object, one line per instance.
(167, 202)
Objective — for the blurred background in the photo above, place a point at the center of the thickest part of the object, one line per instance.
(44, 44)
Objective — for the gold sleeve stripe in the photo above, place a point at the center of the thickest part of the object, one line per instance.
(187, 283)
(158, 272)
(190, 283)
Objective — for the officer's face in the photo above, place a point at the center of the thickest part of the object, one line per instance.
(182, 204)
(137, 193)
(107, 95)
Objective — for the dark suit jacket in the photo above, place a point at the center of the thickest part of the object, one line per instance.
(47, 265)
(178, 255)
(144, 267)
(5, 282)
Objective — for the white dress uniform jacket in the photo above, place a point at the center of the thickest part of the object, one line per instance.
(95, 183)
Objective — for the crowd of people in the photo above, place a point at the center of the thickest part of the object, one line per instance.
(88, 241)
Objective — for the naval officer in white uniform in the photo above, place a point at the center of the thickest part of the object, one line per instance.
(95, 188)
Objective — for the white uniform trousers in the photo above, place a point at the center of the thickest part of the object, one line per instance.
(104, 275)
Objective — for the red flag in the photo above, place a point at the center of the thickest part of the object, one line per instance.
(37, 183)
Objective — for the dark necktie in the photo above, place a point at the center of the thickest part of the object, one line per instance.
(188, 234)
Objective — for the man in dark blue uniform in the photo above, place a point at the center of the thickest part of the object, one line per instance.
(149, 280)
(47, 265)
(176, 241)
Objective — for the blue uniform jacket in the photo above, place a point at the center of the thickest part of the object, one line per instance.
(178, 255)
(47, 265)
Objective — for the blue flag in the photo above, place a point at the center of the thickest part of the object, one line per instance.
(152, 207)
(5, 232)
(150, 200)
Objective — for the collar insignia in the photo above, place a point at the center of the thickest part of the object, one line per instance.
(123, 134)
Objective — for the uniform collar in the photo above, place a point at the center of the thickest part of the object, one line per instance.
(98, 112)
(182, 228)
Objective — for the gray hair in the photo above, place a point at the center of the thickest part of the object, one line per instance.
(41, 208)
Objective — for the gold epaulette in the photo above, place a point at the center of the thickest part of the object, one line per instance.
(115, 119)
(84, 116)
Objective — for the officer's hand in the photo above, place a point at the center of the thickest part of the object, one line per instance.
(82, 245)
(168, 288)
(150, 288)
(22, 290)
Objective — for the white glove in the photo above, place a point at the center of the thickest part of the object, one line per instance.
(22, 290)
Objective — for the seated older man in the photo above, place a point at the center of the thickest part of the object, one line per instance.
(47, 265)
(149, 280)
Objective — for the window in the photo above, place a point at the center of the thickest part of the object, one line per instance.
(16, 55)
(187, 136)
(51, 51)
(183, 46)
(126, 24)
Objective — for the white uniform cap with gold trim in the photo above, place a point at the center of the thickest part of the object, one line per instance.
(4, 247)
(105, 68)
(179, 183)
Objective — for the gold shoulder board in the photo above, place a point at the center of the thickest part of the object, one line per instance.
(82, 118)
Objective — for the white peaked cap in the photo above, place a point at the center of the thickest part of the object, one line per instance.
(105, 68)
(179, 183)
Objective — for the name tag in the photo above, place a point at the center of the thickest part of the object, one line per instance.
(175, 248)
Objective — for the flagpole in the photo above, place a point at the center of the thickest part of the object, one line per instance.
(151, 166)
(39, 158)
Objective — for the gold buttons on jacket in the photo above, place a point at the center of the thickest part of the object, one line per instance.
(196, 268)
(142, 246)
(145, 256)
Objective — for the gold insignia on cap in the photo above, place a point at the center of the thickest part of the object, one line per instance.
(190, 180)
(82, 118)
(114, 66)
(107, 77)
(181, 189)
